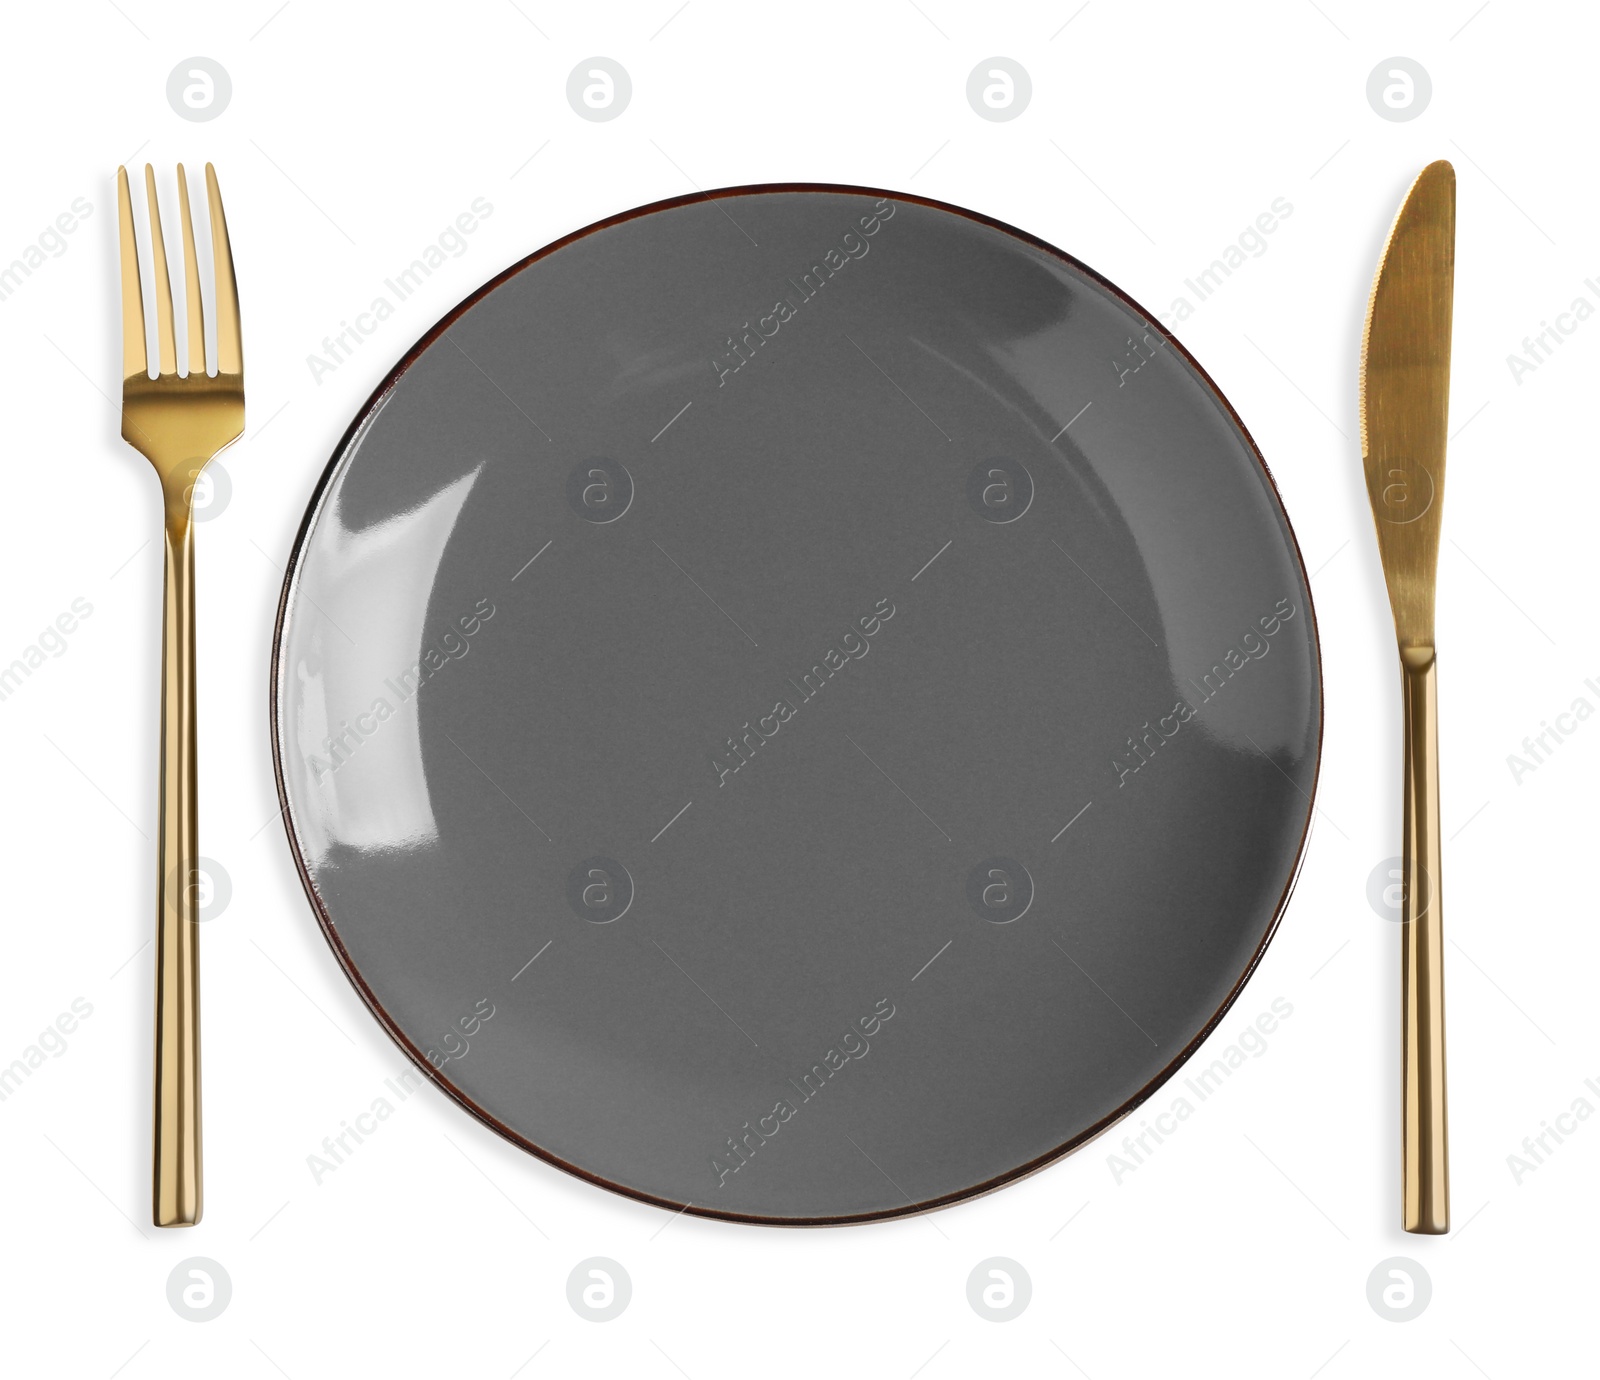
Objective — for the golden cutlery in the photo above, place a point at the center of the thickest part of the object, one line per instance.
(178, 422)
(1405, 403)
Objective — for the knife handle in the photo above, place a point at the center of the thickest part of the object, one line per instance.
(1425, 1173)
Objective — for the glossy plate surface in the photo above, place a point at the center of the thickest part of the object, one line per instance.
(803, 703)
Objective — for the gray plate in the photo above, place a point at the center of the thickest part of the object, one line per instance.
(801, 703)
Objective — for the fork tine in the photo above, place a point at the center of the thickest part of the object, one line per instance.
(134, 360)
(166, 350)
(230, 355)
(195, 350)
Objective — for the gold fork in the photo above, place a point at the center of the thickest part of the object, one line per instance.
(178, 422)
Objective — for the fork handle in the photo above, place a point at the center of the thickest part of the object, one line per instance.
(177, 1035)
(1425, 1174)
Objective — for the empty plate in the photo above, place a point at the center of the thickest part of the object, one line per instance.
(800, 703)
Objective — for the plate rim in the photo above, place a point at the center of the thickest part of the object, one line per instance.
(368, 411)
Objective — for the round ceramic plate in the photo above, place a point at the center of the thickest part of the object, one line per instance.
(800, 703)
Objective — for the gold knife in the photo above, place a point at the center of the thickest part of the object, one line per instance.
(1405, 404)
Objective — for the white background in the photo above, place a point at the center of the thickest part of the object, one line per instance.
(1156, 133)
